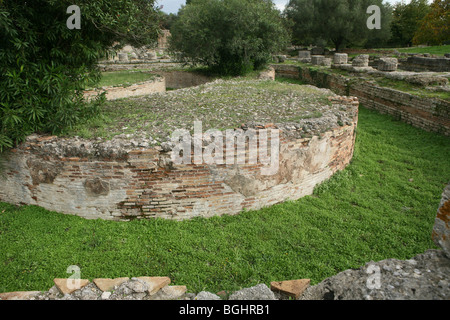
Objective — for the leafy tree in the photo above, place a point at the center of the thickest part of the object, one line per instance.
(342, 22)
(406, 21)
(229, 36)
(45, 66)
(166, 20)
(434, 28)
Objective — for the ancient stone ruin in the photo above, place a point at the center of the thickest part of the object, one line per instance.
(122, 179)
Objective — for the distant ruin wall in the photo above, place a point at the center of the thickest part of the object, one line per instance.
(157, 85)
(426, 64)
(95, 179)
(430, 114)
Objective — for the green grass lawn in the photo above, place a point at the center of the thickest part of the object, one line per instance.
(123, 78)
(438, 50)
(382, 206)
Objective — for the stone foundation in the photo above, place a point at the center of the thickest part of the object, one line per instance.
(157, 85)
(118, 180)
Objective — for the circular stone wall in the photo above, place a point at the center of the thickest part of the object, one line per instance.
(123, 179)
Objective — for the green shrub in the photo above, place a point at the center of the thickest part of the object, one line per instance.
(231, 37)
(45, 66)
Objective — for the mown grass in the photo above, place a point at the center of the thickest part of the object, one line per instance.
(382, 206)
(438, 50)
(123, 78)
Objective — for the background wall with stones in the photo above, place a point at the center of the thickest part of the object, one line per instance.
(430, 114)
(157, 85)
(103, 180)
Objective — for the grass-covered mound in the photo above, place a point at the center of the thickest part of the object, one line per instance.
(221, 104)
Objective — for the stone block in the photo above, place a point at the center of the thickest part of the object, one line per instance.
(18, 295)
(268, 74)
(340, 58)
(441, 229)
(387, 64)
(258, 292)
(152, 55)
(170, 293)
(361, 61)
(326, 62)
(304, 54)
(109, 284)
(317, 60)
(123, 57)
(155, 283)
(290, 288)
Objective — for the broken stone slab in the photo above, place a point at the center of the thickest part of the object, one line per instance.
(424, 277)
(268, 74)
(258, 292)
(361, 61)
(317, 60)
(290, 288)
(123, 57)
(340, 58)
(204, 295)
(65, 288)
(18, 295)
(326, 62)
(109, 284)
(441, 228)
(170, 293)
(155, 283)
(387, 64)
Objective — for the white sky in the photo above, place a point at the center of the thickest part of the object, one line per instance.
(172, 6)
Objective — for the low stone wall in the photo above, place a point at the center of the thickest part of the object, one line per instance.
(430, 114)
(426, 64)
(118, 180)
(157, 85)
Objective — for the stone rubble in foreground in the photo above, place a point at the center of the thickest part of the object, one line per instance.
(424, 277)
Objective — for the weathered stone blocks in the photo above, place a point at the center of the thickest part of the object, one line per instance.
(387, 64)
(317, 60)
(340, 58)
(441, 229)
(123, 57)
(304, 56)
(361, 61)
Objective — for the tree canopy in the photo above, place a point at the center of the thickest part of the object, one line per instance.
(229, 36)
(45, 66)
(406, 21)
(341, 22)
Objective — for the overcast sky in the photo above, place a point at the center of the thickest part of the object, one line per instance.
(172, 6)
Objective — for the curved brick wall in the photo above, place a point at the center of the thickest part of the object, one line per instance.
(104, 180)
